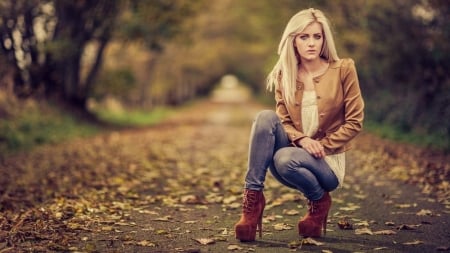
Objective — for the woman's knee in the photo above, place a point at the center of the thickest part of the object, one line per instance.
(266, 116)
(283, 160)
(264, 122)
(331, 184)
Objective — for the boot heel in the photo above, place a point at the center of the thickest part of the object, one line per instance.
(325, 221)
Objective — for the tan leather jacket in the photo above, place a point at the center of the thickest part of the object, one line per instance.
(340, 107)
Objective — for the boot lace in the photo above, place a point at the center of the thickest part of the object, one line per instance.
(250, 200)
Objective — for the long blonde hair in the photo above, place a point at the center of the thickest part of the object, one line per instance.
(287, 64)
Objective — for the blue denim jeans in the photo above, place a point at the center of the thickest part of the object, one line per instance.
(271, 149)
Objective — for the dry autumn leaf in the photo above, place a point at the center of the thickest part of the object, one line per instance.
(408, 227)
(389, 223)
(234, 247)
(205, 241)
(415, 242)
(291, 212)
(443, 248)
(310, 241)
(424, 212)
(143, 243)
(345, 225)
(380, 248)
(282, 226)
(385, 232)
(363, 231)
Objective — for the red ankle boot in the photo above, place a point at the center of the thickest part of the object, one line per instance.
(316, 218)
(251, 219)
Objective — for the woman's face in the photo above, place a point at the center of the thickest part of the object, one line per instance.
(309, 42)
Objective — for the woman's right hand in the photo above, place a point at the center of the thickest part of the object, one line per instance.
(313, 147)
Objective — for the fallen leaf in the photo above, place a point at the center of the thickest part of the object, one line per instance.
(408, 227)
(362, 224)
(360, 196)
(161, 232)
(345, 225)
(191, 199)
(131, 224)
(234, 247)
(424, 212)
(230, 200)
(443, 248)
(269, 218)
(224, 232)
(363, 231)
(294, 244)
(310, 241)
(291, 212)
(416, 242)
(389, 223)
(205, 241)
(385, 232)
(145, 243)
(165, 218)
(282, 226)
(350, 207)
(405, 205)
(107, 228)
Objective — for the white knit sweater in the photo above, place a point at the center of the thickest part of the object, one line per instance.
(310, 121)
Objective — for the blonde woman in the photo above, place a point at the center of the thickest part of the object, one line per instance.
(319, 109)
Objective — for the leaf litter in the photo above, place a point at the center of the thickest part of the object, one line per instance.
(95, 185)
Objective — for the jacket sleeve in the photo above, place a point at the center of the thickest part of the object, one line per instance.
(353, 109)
(281, 109)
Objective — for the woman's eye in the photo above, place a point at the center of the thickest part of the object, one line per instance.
(303, 37)
(317, 37)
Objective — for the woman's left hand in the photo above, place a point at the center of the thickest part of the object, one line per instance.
(315, 148)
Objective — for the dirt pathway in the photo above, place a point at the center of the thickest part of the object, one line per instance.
(176, 187)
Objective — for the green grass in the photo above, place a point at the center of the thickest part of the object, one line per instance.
(435, 141)
(39, 124)
(135, 118)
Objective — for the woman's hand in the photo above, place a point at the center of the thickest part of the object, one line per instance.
(313, 147)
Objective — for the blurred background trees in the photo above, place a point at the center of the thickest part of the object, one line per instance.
(166, 52)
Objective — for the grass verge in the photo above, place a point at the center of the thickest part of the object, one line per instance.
(434, 141)
(134, 118)
(39, 123)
